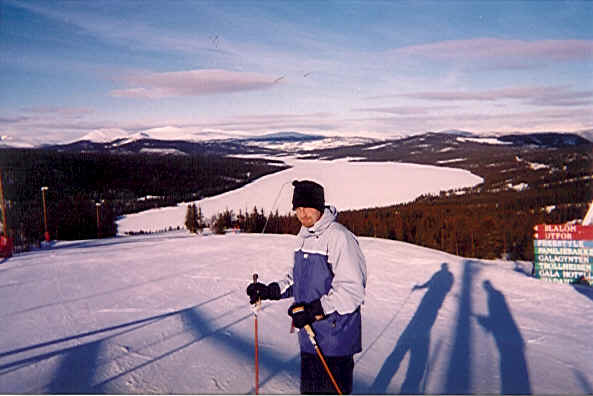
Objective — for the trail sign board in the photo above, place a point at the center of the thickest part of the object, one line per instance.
(563, 252)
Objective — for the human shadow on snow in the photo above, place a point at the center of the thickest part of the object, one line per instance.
(586, 291)
(79, 364)
(77, 370)
(416, 336)
(524, 268)
(499, 322)
(459, 369)
(514, 375)
(585, 384)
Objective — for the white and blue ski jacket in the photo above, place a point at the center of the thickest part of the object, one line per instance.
(329, 265)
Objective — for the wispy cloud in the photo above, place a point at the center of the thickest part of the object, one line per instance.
(66, 112)
(194, 83)
(481, 121)
(537, 96)
(121, 29)
(405, 110)
(500, 53)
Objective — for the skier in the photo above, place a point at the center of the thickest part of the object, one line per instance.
(327, 281)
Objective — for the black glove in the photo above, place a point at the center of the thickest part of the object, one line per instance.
(259, 291)
(305, 313)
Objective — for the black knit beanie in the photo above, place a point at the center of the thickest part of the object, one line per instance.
(308, 194)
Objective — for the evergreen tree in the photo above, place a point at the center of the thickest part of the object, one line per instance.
(200, 224)
(190, 218)
(223, 221)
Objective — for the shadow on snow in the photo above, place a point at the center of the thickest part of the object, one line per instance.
(79, 365)
(514, 375)
(416, 336)
(586, 291)
(416, 340)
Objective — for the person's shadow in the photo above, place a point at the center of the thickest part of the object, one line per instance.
(586, 291)
(416, 337)
(514, 376)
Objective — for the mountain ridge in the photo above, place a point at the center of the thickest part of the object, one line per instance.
(291, 142)
(110, 138)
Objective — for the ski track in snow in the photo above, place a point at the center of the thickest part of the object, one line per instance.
(168, 314)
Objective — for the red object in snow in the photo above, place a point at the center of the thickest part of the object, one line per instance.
(5, 246)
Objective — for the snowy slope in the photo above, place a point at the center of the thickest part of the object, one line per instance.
(166, 133)
(12, 142)
(168, 314)
(103, 136)
(348, 185)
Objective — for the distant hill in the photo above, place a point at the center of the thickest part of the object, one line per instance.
(317, 146)
(286, 136)
(549, 139)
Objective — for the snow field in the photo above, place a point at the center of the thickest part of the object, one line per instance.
(168, 314)
(348, 185)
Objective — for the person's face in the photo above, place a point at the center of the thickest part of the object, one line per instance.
(308, 216)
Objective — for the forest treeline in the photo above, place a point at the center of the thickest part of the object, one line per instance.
(467, 225)
(87, 192)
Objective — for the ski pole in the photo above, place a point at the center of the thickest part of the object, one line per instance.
(257, 303)
(311, 335)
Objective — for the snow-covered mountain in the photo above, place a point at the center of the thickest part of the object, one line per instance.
(588, 134)
(167, 140)
(166, 133)
(12, 142)
(103, 136)
(171, 140)
(168, 314)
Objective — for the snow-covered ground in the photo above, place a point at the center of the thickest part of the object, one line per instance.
(348, 185)
(167, 313)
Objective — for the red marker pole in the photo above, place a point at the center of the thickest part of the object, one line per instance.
(256, 341)
(43, 190)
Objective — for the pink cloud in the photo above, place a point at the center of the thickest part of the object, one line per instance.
(406, 110)
(538, 96)
(71, 112)
(493, 52)
(194, 83)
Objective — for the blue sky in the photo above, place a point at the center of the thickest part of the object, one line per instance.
(369, 68)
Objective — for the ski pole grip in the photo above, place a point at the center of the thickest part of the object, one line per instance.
(255, 276)
(298, 309)
(311, 335)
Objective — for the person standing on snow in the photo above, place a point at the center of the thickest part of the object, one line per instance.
(327, 281)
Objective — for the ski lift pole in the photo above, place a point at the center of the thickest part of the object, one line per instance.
(311, 335)
(256, 341)
(3, 208)
(258, 302)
